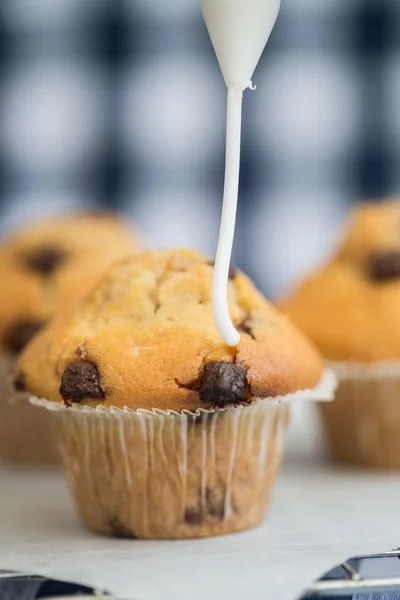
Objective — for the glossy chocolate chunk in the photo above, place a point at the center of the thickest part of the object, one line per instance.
(384, 266)
(45, 259)
(20, 333)
(223, 383)
(81, 380)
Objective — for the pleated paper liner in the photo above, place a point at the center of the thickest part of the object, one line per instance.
(157, 474)
(26, 437)
(363, 424)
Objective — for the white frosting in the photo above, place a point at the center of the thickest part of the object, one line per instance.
(239, 30)
(228, 219)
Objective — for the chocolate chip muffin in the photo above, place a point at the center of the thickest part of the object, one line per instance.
(350, 308)
(46, 268)
(165, 431)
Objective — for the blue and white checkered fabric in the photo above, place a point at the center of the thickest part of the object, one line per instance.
(121, 102)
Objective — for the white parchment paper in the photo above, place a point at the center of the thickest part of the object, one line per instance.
(319, 517)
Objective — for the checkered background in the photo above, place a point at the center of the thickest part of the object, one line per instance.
(121, 103)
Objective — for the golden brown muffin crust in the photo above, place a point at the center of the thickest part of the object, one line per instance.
(145, 338)
(350, 308)
(50, 265)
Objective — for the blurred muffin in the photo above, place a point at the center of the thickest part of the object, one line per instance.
(44, 268)
(350, 308)
(165, 431)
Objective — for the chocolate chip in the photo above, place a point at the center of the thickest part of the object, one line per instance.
(19, 382)
(192, 516)
(232, 270)
(210, 506)
(215, 503)
(245, 328)
(384, 266)
(45, 259)
(117, 529)
(20, 333)
(81, 380)
(223, 383)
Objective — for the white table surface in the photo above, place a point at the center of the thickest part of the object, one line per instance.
(319, 516)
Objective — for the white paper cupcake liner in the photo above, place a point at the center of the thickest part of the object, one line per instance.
(25, 433)
(163, 474)
(383, 369)
(363, 424)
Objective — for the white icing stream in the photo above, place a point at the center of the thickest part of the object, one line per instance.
(239, 30)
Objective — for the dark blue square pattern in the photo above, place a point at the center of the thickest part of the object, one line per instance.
(121, 103)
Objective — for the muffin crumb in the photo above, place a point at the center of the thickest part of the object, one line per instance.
(81, 351)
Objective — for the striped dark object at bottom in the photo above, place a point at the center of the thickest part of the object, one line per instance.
(372, 596)
(21, 586)
(370, 577)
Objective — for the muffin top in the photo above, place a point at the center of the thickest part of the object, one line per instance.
(350, 308)
(50, 265)
(145, 338)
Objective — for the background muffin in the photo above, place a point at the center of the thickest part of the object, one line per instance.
(156, 411)
(46, 268)
(350, 308)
